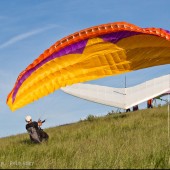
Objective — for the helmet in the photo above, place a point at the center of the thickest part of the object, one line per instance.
(28, 118)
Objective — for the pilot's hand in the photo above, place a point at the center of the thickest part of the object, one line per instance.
(39, 123)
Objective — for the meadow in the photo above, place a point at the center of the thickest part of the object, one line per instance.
(130, 140)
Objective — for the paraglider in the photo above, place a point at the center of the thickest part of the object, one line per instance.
(90, 54)
(36, 133)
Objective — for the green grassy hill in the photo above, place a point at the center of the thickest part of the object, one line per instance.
(127, 140)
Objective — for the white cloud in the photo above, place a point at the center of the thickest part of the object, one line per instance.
(25, 35)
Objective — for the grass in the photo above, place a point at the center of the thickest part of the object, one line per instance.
(128, 140)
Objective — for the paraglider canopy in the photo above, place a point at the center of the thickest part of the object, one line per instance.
(90, 54)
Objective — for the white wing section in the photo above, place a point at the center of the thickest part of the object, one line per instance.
(120, 97)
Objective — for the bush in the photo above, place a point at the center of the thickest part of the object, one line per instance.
(90, 118)
(110, 113)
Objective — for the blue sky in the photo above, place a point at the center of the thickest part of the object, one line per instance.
(29, 27)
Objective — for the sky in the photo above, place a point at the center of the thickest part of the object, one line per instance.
(29, 27)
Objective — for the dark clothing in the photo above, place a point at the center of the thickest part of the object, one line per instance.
(135, 108)
(32, 124)
(43, 135)
(128, 110)
(36, 133)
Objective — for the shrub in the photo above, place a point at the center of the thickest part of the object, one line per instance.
(90, 118)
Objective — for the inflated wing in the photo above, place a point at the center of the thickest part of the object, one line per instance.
(93, 53)
(121, 97)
